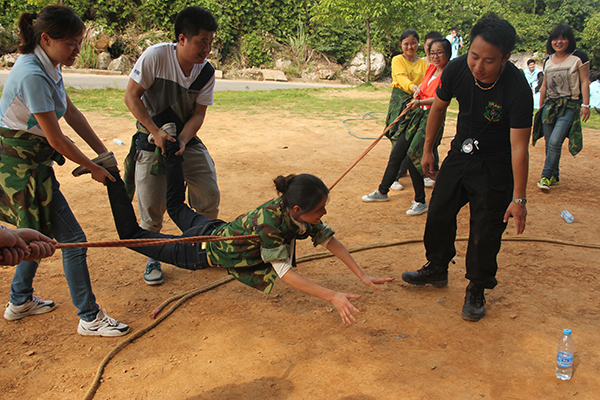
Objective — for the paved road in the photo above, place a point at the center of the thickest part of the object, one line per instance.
(90, 81)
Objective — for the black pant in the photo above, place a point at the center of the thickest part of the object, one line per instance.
(397, 155)
(182, 255)
(487, 187)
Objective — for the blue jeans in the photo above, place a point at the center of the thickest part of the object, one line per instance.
(65, 229)
(555, 135)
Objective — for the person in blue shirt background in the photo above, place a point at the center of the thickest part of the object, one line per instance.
(595, 90)
(455, 40)
(531, 74)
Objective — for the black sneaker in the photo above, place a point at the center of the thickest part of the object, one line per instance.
(473, 309)
(432, 274)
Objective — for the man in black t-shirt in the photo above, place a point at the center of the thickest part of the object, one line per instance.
(487, 164)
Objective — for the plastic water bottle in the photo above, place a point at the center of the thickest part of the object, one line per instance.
(118, 141)
(564, 358)
(567, 216)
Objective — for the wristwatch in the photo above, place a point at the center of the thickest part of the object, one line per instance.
(522, 201)
(585, 105)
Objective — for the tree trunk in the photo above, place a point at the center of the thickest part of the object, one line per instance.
(368, 50)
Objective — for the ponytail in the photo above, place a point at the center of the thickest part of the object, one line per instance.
(58, 22)
(304, 190)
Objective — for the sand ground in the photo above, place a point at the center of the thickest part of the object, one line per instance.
(234, 342)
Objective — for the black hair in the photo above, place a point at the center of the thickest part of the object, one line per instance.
(540, 80)
(59, 22)
(445, 44)
(409, 33)
(565, 31)
(304, 190)
(433, 35)
(454, 28)
(497, 32)
(594, 75)
(193, 18)
(531, 60)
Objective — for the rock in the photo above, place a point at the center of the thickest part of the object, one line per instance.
(310, 76)
(104, 60)
(253, 73)
(8, 60)
(283, 63)
(121, 64)
(96, 37)
(326, 74)
(358, 66)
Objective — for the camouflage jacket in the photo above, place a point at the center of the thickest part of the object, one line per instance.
(547, 115)
(26, 179)
(249, 261)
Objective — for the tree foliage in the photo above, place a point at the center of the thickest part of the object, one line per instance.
(336, 27)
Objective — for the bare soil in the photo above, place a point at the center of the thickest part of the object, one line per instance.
(234, 342)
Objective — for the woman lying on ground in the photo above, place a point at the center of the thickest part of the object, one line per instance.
(257, 262)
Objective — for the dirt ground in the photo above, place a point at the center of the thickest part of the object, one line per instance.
(234, 342)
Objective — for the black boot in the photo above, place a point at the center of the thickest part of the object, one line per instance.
(473, 309)
(433, 274)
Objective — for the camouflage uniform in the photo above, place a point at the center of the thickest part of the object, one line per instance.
(250, 261)
(26, 179)
(414, 128)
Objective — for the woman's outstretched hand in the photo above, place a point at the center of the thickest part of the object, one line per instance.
(373, 282)
(341, 302)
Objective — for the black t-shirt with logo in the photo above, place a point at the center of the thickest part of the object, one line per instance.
(486, 116)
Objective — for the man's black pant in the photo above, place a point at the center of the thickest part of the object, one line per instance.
(487, 187)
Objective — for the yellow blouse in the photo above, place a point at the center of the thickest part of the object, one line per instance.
(406, 74)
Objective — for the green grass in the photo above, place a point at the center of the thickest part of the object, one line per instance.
(320, 103)
(108, 100)
(326, 103)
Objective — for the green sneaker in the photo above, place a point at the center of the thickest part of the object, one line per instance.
(544, 184)
(554, 181)
(153, 274)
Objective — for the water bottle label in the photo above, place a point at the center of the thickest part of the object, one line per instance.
(564, 359)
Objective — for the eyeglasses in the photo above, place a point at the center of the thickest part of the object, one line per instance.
(436, 53)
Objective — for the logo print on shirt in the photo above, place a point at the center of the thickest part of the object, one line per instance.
(493, 112)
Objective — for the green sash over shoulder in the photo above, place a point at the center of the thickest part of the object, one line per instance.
(26, 179)
(547, 115)
(414, 128)
(398, 102)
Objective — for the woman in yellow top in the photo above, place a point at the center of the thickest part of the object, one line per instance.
(408, 70)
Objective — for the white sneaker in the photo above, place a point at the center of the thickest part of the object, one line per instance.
(375, 196)
(417, 208)
(103, 325)
(35, 306)
(428, 182)
(397, 186)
